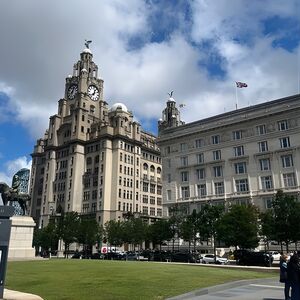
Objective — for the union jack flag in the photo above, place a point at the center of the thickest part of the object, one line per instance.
(241, 84)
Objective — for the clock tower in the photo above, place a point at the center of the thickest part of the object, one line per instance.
(90, 157)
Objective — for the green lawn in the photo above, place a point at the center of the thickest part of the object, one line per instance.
(94, 279)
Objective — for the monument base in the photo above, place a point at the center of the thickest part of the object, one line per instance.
(21, 236)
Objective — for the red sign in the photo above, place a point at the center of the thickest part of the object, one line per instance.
(104, 250)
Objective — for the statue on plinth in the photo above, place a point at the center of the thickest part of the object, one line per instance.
(11, 194)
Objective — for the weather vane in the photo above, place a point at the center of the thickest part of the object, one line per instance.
(87, 43)
(171, 94)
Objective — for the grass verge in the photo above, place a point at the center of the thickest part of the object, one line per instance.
(95, 279)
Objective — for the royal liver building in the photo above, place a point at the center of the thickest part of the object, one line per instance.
(94, 159)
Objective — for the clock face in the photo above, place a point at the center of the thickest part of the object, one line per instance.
(93, 92)
(72, 91)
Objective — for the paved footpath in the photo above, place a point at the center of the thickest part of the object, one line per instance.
(261, 289)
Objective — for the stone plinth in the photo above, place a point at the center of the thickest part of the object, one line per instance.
(20, 244)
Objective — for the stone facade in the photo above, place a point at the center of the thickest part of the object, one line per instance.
(243, 156)
(94, 159)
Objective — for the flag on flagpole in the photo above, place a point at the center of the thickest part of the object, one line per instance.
(241, 84)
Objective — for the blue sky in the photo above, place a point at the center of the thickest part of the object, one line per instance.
(144, 49)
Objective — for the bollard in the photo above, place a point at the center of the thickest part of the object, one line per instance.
(5, 225)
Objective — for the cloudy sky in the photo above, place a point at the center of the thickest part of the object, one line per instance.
(144, 49)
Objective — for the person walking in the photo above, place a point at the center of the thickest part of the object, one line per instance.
(284, 277)
(293, 276)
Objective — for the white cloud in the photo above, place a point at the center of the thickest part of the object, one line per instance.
(45, 39)
(13, 166)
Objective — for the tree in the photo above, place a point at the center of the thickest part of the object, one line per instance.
(67, 227)
(284, 218)
(139, 228)
(88, 233)
(209, 217)
(160, 231)
(239, 227)
(177, 215)
(114, 232)
(190, 229)
(46, 237)
(267, 226)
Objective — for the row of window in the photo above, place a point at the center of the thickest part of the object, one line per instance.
(152, 200)
(241, 186)
(236, 135)
(239, 167)
(237, 151)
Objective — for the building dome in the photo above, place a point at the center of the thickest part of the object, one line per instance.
(87, 50)
(119, 106)
(171, 99)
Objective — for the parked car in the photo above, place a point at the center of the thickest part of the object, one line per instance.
(255, 259)
(97, 255)
(211, 259)
(135, 256)
(276, 255)
(184, 257)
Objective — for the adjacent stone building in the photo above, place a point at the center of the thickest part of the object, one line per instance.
(94, 159)
(243, 156)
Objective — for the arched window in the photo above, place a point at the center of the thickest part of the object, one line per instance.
(152, 169)
(145, 166)
(158, 170)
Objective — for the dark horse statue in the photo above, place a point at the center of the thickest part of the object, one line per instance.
(9, 194)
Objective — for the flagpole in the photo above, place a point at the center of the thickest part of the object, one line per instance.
(298, 62)
(236, 97)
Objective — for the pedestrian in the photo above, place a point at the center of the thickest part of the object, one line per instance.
(293, 276)
(283, 276)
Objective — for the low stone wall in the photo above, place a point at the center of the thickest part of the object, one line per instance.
(20, 244)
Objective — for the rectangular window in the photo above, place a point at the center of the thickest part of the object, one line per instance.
(289, 180)
(145, 199)
(263, 146)
(237, 135)
(145, 186)
(217, 154)
(152, 200)
(285, 142)
(240, 168)
(145, 210)
(152, 211)
(183, 147)
(218, 172)
(184, 161)
(159, 212)
(219, 188)
(152, 188)
(169, 193)
(184, 176)
(238, 151)
(265, 164)
(199, 143)
(200, 174)
(287, 161)
(185, 192)
(261, 129)
(283, 125)
(169, 178)
(266, 182)
(200, 158)
(241, 185)
(201, 190)
(215, 139)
